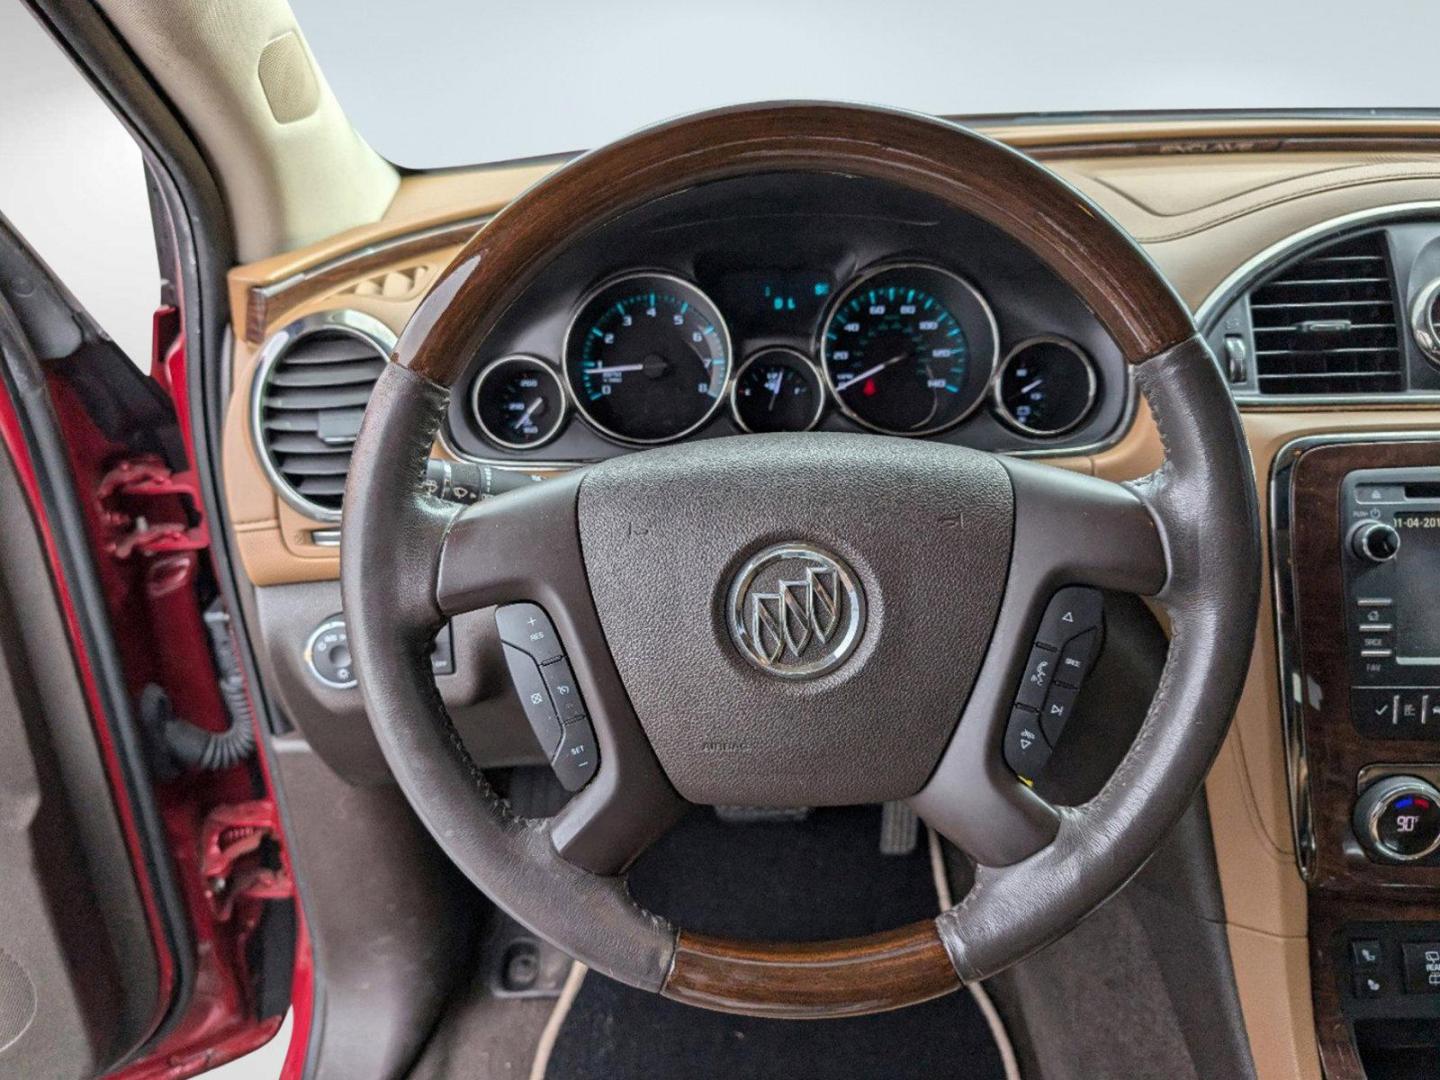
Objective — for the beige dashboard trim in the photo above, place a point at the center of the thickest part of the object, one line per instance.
(1201, 219)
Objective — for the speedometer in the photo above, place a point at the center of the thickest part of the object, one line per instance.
(647, 358)
(908, 349)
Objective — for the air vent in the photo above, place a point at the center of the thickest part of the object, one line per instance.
(401, 284)
(314, 381)
(1326, 324)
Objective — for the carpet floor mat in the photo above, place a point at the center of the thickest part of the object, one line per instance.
(823, 877)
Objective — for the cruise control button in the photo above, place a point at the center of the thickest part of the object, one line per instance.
(576, 758)
(564, 694)
(534, 698)
(1026, 750)
(1039, 671)
(526, 626)
(1076, 658)
(1422, 967)
(1056, 713)
(1071, 612)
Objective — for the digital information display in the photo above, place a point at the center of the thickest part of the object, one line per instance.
(782, 302)
(1417, 605)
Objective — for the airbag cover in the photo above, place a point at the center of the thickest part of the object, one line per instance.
(925, 528)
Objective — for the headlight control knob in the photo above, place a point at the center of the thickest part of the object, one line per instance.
(1398, 818)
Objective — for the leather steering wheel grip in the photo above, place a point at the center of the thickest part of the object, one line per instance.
(1202, 502)
(1205, 506)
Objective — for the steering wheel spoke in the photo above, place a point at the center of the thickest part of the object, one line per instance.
(524, 548)
(1073, 534)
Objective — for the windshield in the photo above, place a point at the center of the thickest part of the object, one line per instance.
(437, 83)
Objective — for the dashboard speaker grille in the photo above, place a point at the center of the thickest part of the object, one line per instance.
(311, 391)
(1327, 324)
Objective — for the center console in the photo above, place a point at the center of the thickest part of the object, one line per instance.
(1355, 545)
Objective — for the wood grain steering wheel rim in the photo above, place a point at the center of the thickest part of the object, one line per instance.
(1188, 535)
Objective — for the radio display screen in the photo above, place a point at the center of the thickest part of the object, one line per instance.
(1417, 605)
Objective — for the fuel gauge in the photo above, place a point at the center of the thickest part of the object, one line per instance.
(1046, 387)
(519, 402)
(777, 390)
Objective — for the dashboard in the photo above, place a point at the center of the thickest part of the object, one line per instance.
(1253, 222)
(789, 303)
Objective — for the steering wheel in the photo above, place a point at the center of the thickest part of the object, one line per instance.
(924, 569)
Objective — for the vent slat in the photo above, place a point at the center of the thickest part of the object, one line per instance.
(322, 489)
(284, 442)
(317, 397)
(311, 403)
(349, 372)
(314, 464)
(330, 347)
(1327, 324)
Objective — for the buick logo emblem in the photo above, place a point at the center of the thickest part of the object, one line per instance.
(795, 611)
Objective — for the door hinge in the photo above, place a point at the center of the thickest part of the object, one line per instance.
(241, 857)
(147, 508)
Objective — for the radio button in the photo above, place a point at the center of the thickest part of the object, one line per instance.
(1026, 750)
(1076, 658)
(1071, 612)
(1374, 713)
(1375, 541)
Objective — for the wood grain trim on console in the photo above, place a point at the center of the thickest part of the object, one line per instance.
(846, 977)
(968, 171)
(1335, 751)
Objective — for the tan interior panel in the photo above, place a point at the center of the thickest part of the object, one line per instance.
(287, 181)
(1239, 189)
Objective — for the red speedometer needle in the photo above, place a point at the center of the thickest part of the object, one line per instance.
(868, 372)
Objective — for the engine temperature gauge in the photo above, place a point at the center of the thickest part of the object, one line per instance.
(519, 402)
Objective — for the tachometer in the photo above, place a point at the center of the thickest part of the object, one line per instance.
(647, 358)
(908, 349)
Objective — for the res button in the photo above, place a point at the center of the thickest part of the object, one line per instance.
(527, 627)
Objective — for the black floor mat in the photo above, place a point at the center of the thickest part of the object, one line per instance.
(820, 878)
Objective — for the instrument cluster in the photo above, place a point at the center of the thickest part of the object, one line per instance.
(719, 336)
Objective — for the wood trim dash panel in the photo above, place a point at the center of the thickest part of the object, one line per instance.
(1335, 751)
